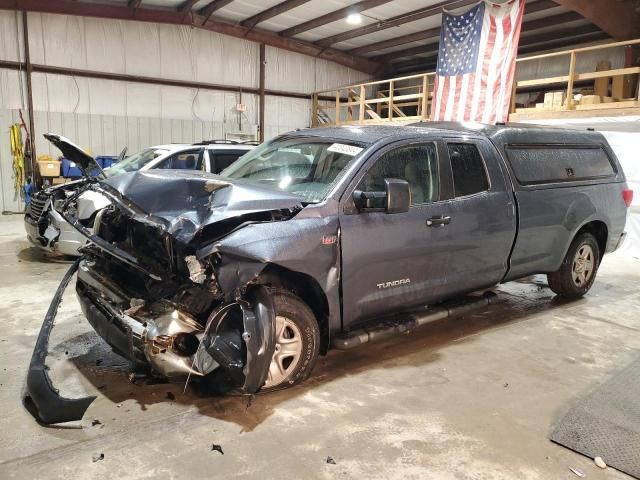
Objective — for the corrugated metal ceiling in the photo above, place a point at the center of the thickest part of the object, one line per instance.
(236, 11)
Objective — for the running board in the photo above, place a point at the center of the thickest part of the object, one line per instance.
(389, 328)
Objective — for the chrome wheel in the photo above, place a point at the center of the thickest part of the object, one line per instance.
(287, 353)
(583, 265)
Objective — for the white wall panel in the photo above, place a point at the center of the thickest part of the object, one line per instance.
(141, 48)
(104, 115)
(295, 72)
(10, 35)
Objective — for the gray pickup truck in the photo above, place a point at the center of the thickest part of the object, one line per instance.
(241, 280)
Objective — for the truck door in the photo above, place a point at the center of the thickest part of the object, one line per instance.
(483, 221)
(394, 261)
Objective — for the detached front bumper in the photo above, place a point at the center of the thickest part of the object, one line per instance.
(238, 338)
(50, 407)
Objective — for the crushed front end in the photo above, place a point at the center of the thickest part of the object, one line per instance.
(147, 288)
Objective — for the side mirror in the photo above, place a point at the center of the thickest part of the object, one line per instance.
(395, 199)
(398, 195)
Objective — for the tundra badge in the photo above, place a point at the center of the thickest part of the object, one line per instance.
(395, 283)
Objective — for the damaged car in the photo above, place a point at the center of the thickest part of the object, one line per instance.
(46, 228)
(242, 279)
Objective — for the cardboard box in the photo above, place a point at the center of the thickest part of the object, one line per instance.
(58, 180)
(548, 100)
(590, 99)
(49, 168)
(558, 98)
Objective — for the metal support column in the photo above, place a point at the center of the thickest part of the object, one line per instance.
(263, 62)
(28, 71)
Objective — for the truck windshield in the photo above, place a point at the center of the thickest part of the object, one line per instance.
(307, 167)
(135, 162)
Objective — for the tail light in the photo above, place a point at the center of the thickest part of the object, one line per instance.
(627, 196)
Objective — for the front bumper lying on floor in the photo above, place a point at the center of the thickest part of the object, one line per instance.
(237, 338)
(50, 407)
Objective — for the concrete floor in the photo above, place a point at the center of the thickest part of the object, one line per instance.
(464, 398)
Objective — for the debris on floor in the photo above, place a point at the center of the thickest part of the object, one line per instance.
(600, 462)
(96, 422)
(578, 472)
(331, 461)
(97, 458)
(216, 448)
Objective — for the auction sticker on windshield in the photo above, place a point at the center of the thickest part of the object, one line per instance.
(345, 149)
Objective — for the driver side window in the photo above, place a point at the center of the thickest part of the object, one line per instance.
(417, 164)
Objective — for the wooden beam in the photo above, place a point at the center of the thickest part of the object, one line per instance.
(331, 17)
(122, 12)
(211, 7)
(187, 6)
(272, 12)
(619, 19)
(394, 21)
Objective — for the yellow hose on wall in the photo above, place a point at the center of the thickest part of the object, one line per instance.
(17, 150)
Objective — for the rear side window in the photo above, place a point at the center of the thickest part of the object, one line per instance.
(469, 173)
(185, 160)
(545, 164)
(221, 160)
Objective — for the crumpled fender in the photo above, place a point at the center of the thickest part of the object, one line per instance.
(245, 355)
(50, 407)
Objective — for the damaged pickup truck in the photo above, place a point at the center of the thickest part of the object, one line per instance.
(243, 279)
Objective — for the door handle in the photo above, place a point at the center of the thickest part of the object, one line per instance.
(438, 221)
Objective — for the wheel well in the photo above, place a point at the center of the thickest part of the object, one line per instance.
(599, 230)
(308, 289)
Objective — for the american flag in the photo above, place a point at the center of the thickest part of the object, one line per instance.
(476, 62)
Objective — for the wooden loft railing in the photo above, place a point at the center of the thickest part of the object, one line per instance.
(403, 99)
(595, 84)
(408, 99)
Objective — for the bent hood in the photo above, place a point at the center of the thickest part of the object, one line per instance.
(189, 201)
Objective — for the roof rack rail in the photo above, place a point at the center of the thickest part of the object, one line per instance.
(213, 142)
(250, 142)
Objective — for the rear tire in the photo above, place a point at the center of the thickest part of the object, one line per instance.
(297, 342)
(579, 267)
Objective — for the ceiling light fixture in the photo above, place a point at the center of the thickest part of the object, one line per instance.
(354, 19)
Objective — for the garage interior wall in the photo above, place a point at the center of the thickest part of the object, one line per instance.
(104, 116)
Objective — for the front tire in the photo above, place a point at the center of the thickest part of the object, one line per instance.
(297, 342)
(579, 267)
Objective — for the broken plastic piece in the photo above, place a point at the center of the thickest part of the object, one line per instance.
(578, 472)
(216, 448)
(50, 407)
